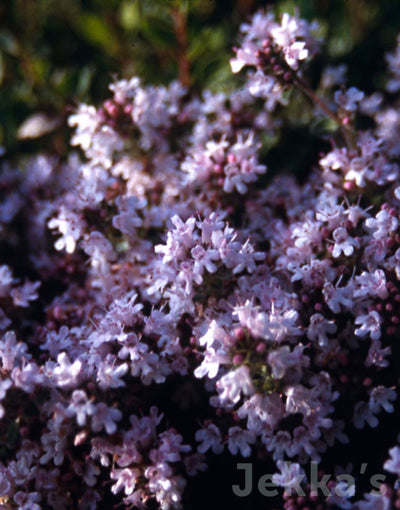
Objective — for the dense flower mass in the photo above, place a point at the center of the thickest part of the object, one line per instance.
(166, 300)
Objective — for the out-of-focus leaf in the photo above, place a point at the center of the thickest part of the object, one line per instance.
(23, 92)
(340, 45)
(40, 67)
(219, 76)
(1, 67)
(159, 31)
(129, 15)
(84, 81)
(208, 40)
(268, 141)
(289, 6)
(341, 41)
(8, 43)
(37, 125)
(323, 127)
(95, 30)
(202, 7)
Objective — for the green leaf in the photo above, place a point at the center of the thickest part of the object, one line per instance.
(323, 127)
(96, 31)
(159, 31)
(129, 15)
(211, 40)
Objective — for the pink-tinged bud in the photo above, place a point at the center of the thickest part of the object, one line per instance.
(128, 109)
(287, 77)
(390, 330)
(219, 412)
(394, 319)
(187, 351)
(379, 307)
(344, 379)
(389, 307)
(261, 347)
(231, 158)
(325, 231)
(349, 186)
(218, 169)
(58, 313)
(193, 341)
(266, 44)
(239, 334)
(102, 115)
(346, 121)
(318, 307)
(393, 211)
(220, 182)
(305, 298)
(238, 359)
(111, 108)
(367, 382)
(397, 298)
(348, 224)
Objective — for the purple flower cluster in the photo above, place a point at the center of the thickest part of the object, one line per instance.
(160, 268)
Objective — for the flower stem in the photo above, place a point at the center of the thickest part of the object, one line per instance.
(346, 131)
(180, 22)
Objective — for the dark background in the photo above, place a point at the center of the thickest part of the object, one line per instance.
(57, 53)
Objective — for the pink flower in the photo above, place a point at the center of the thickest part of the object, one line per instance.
(210, 437)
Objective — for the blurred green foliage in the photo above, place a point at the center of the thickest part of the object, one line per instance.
(56, 53)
